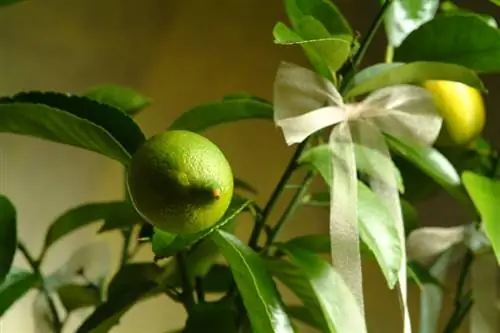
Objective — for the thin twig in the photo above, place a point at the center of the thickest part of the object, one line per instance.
(200, 292)
(187, 297)
(127, 235)
(35, 265)
(276, 193)
(291, 208)
(349, 68)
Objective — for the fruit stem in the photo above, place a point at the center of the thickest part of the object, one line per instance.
(389, 54)
(216, 193)
(187, 297)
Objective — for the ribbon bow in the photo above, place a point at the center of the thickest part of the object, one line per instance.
(305, 103)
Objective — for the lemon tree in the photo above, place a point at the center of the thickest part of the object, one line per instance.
(183, 201)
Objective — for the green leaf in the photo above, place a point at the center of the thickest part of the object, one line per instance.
(410, 216)
(166, 244)
(457, 39)
(404, 16)
(82, 216)
(132, 284)
(378, 231)
(321, 30)
(17, 283)
(485, 194)
(376, 226)
(421, 275)
(8, 236)
(259, 294)
(121, 218)
(131, 274)
(385, 75)
(244, 95)
(322, 10)
(75, 296)
(108, 314)
(303, 314)
(449, 8)
(222, 316)
(325, 51)
(283, 35)
(9, 2)
(312, 243)
(496, 2)
(309, 276)
(432, 163)
(320, 157)
(72, 120)
(119, 97)
(322, 199)
(203, 117)
(319, 243)
(217, 280)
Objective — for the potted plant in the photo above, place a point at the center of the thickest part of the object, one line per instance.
(381, 137)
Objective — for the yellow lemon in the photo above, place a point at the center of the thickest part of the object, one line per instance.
(462, 109)
(180, 182)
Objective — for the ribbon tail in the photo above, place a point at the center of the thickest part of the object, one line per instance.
(384, 183)
(484, 312)
(344, 234)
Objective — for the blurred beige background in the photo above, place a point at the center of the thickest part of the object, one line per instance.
(180, 53)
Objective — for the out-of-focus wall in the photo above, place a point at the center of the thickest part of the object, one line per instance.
(180, 53)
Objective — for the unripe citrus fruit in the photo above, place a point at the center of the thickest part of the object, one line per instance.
(462, 109)
(180, 182)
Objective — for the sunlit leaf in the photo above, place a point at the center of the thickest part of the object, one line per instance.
(377, 228)
(308, 276)
(259, 294)
(205, 116)
(384, 75)
(485, 193)
(460, 39)
(323, 11)
(449, 8)
(165, 244)
(320, 157)
(432, 163)
(72, 120)
(404, 16)
(122, 98)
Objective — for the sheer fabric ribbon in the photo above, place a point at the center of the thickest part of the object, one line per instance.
(305, 103)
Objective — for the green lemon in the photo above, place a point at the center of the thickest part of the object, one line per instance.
(180, 182)
(462, 109)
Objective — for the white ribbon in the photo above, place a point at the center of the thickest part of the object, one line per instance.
(425, 245)
(305, 102)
